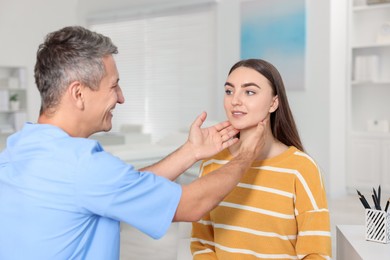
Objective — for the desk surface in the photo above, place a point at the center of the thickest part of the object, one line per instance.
(353, 242)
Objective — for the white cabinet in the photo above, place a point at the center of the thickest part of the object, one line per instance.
(364, 163)
(386, 164)
(13, 99)
(369, 162)
(368, 95)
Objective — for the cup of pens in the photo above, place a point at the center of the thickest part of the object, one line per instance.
(377, 222)
(377, 226)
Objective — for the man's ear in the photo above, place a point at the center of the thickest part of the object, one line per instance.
(275, 104)
(76, 94)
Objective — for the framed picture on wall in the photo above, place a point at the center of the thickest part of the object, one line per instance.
(276, 31)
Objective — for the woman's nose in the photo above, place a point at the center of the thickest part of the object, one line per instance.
(236, 99)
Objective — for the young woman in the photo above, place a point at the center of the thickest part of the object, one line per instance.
(279, 208)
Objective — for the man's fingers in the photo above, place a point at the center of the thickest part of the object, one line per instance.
(228, 132)
(231, 131)
(200, 120)
(229, 142)
(228, 135)
(221, 126)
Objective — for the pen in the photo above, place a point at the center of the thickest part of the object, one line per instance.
(374, 193)
(375, 202)
(363, 200)
(379, 195)
(387, 204)
(375, 198)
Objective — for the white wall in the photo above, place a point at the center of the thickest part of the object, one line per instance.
(338, 97)
(23, 25)
(319, 110)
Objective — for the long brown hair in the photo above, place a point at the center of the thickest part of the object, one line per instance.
(283, 126)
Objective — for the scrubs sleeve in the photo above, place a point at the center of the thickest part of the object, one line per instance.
(109, 187)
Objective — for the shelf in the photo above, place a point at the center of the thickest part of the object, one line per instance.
(371, 46)
(366, 134)
(368, 94)
(372, 83)
(12, 81)
(359, 8)
(11, 111)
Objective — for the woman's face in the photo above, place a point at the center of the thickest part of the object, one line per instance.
(248, 98)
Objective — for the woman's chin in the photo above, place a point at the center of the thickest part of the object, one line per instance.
(242, 128)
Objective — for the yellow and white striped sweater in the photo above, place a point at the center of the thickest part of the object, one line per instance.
(277, 211)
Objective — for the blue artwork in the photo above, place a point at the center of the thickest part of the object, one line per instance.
(276, 31)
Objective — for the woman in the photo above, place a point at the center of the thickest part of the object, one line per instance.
(279, 208)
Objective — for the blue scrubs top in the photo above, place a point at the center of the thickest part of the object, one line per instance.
(63, 197)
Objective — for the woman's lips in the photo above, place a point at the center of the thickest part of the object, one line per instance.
(238, 113)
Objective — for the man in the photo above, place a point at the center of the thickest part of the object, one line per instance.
(62, 196)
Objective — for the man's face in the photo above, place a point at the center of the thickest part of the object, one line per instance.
(100, 103)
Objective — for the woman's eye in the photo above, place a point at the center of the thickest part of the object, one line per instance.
(250, 92)
(228, 92)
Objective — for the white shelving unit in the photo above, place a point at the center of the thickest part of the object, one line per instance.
(12, 115)
(368, 134)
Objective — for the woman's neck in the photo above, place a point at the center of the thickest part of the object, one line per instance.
(272, 146)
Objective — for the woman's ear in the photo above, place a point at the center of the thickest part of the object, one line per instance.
(76, 93)
(274, 104)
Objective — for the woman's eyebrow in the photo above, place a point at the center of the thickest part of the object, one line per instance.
(250, 84)
(245, 85)
(229, 84)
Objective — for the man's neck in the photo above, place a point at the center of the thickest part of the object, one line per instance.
(67, 123)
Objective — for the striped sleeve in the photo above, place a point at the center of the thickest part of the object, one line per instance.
(202, 241)
(311, 209)
(202, 237)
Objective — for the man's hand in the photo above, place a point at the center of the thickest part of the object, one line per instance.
(206, 142)
(205, 193)
(253, 143)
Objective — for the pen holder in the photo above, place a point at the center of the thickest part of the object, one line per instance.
(378, 226)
